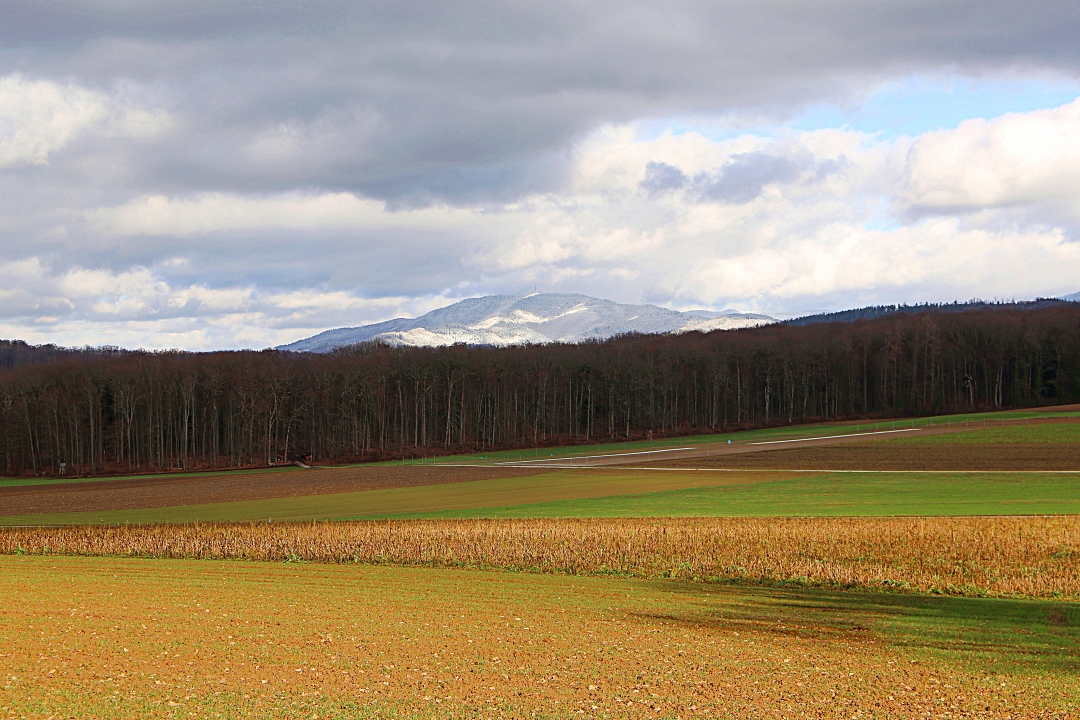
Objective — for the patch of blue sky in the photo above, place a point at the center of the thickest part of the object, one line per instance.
(907, 107)
(882, 224)
(917, 105)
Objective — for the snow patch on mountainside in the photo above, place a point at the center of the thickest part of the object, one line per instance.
(727, 322)
(535, 318)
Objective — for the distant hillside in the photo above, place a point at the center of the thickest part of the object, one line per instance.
(538, 318)
(14, 353)
(876, 311)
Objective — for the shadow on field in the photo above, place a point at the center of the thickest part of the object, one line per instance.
(989, 634)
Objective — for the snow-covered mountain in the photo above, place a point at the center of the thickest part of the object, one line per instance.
(535, 318)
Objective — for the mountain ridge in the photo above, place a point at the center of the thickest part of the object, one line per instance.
(535, 318)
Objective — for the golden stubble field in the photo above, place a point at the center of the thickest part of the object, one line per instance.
(135, 638)
(1003, 556)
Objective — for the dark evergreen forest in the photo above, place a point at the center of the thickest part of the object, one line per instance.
(107, 410)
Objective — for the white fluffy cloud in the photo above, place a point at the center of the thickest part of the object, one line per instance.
(1017, 159)
(39, 117)
(139, 308)
(217, 212)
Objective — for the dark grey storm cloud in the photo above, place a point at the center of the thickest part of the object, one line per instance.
(463, 102)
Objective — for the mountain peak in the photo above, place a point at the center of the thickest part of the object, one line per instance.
(535, 318)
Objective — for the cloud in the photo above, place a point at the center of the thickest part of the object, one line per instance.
(140, 308)
(744, 178)
(40, 117)
(1016, 159)
(661, 178)
(748, 174)
(216, 212)
(704, 233)
(418, 103)
(741, 179)
(239, 173)
(828, 228)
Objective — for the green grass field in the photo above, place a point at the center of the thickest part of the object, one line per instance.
(1044, 433)
(836, 494)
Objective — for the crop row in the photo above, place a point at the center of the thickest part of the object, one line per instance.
(1033, 556)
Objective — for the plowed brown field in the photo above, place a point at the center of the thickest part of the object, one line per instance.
(135, 638)
(149, 492)
(884, 455)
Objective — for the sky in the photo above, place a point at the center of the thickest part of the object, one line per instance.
(245, 173)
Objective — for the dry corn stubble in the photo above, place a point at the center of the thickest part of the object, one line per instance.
(998, 556)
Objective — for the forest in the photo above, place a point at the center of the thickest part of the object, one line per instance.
(110, 411)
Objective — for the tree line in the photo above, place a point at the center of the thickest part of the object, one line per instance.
(121, 411)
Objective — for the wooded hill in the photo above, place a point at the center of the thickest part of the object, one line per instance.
(115, 411)
(872, 312)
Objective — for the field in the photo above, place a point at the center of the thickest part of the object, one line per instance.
(210, 488)
(186, 638)
(1008, 556)
(927, 453)
(643, 493)
(929, 569)
(853, 494)
(955, 467)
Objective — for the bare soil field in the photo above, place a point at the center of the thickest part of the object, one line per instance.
(887, 456)
(136, 638)
(149, 492)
